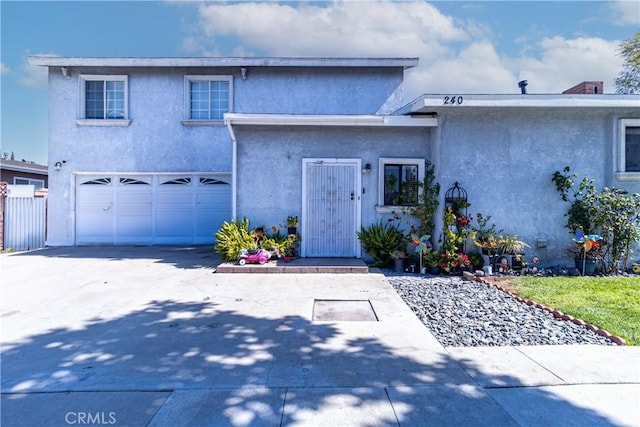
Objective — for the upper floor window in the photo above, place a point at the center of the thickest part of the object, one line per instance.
(104, 97)
(208, 97)
(398, 181)
(629, 149)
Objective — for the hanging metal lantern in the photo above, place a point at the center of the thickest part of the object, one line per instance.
(456, 195)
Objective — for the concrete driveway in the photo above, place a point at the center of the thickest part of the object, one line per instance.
(152, 336)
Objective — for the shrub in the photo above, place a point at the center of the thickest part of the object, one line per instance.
(232, 237)
(380, 240)
(612, 213)
(425, 208)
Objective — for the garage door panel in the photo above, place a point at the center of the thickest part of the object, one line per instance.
(95, 228)
(147, 209)
(175, 196)
(213, 196)
(213, 208)
(174, 226)
(134, 210)
(94, 216)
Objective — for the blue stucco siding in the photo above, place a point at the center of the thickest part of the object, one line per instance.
(270, 170)
(319, 91)
(505, 158)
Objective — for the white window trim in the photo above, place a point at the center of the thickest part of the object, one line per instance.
(188, 121)
(381, 207)
(621, 174)
(83, 121)
(31, 181)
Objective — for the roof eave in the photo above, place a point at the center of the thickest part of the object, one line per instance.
(437, 102)
(328, 120)
(25, 169)
(59, 61)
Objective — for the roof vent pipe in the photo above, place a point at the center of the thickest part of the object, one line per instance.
(522, 84)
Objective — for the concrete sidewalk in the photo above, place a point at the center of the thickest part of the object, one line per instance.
(151, 336)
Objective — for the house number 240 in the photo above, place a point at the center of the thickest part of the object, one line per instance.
(452, 100)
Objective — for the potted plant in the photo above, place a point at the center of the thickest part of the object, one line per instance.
(513, 247)
(454, 262)
(476, 260)
(379, 240)
(431, 260)
(399, 258)
(292, 224)
(485, 236)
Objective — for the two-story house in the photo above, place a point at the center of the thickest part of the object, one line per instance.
(162, 150)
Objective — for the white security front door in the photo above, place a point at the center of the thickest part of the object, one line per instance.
(331, 191)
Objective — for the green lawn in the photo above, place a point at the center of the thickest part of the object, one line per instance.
(612, 304)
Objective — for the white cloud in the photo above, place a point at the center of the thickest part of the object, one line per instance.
(564, 63)
(338, 29)
(475, 69)
(455, 56)
(625, 12)
(35, 77)
(4, 69)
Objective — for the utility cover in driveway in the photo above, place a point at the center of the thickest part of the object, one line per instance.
(343, 310)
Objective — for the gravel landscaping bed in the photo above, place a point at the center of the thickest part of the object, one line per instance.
(467, 314)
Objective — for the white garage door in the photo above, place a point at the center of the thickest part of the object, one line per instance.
(151, 209)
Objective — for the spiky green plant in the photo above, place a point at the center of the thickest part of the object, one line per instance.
(379, 240)
(232, 237)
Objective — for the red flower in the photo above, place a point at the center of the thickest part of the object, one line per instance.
(463, 221)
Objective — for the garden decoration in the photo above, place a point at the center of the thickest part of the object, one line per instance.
(536, 261)
(420, 244)
(588, 242)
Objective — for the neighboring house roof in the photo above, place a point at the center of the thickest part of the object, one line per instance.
(24, 166)
(58, 61)
(436, 102)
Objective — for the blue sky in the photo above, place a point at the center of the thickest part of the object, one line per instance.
(463, 46)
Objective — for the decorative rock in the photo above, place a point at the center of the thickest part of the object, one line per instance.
(467, 275)
(469, 313)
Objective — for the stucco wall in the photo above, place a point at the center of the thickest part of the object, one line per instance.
(270, 172)
(505, 158)
(158, 141)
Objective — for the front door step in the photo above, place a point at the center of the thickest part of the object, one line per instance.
(299, 265)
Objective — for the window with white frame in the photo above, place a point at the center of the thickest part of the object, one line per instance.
(38, 184)
(629, 149)
(104, 97)
(208, 97)
(398, 181)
